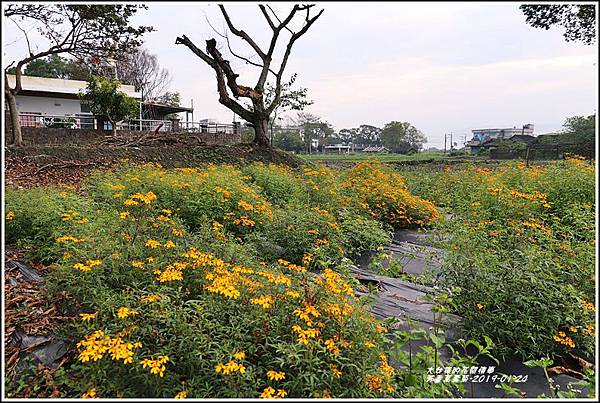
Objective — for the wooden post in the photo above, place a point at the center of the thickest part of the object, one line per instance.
(527, 155)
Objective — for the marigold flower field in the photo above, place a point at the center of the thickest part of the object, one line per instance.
(224, 281)
(522, 250)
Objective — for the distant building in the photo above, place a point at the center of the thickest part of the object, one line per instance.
(481, 137)
(376, 149)
(337, 148)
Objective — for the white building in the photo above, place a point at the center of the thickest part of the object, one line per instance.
(54, 102)
(47, 101)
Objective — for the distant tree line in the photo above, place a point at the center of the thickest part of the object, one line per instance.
(307, 129)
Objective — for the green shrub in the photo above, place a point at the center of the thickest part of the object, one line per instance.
(522, 249)
(37, 216)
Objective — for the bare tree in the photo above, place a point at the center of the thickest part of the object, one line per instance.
(77, 29)
(261, 111)
(142, 70)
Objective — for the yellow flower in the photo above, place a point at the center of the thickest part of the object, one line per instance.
(369, 344)
(229, 368)
(126, 312)
(92, 262)
(293, 294)
(152, 243)
(150, 298)
(157, 366)
(65, 238)
(270, 393)
(90, 394)
(336, 372)
(130, 202)
(240, 355)
(275, 375)
(169, 244)
(181, 395)
(331, 347)
(123, 214)
(479, 306)
(88, 316)
(266, 301)
(82, 267)
(10, 215)
(138, 264)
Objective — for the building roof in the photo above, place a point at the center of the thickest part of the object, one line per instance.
(42, 86)
(376, 149)
(163, 109)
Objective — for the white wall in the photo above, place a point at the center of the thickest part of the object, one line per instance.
(49, 106)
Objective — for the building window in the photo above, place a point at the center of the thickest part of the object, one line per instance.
(85, 108)
(107, 125)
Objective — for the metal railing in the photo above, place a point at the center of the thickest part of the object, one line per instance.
(204, 127)
(33, 119)
(146, 125)
(57, 121)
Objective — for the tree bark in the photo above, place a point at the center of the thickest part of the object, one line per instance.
(261, 128)
(113, 126)
(14, 118)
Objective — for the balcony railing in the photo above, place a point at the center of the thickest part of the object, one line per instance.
(56, 121)
(33, 119)
(146, 125)
(204, 127)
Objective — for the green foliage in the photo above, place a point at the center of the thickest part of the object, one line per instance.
(579, 20)
(173, 295)
(581, 128)
(521, 247)
(288, 140)
(361, 234)
(402, 137)
(104, 99)
(53, 66)
(39, 217)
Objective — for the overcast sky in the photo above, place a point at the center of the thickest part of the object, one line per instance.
(444, 67)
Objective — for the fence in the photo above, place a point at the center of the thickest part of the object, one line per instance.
(546, 151)
(147, 125)
(558, 151)
(35, 119)
(203, 127)
(57, 121)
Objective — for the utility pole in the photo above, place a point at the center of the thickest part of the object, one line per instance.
(445, 137)
(451, 143)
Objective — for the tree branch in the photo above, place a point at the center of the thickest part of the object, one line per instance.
(241, 33)
(216, 65)
(264, 11)
(309, 22)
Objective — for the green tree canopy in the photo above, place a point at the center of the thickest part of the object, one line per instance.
(104, 99)
(402, 137)
(289, 140)
(579, 20)
(581, 128)
(56, 66)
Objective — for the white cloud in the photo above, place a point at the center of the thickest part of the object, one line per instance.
(441, 66)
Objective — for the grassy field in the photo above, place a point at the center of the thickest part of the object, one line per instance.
(379, 157)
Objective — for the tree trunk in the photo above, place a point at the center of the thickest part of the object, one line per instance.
(113, 126)
(14, 118)
(261, 128)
